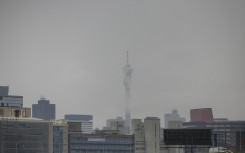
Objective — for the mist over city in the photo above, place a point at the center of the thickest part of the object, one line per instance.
(122, 61)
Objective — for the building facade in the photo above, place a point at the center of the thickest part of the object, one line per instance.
(25, 135)
(11, 101)
(147, 135)
(224, 133)
(43, 110)
(100, 143)
(201, 115)
(85, 120)
(12, 106)
(115, 124)
(60, 136)
(15, 112)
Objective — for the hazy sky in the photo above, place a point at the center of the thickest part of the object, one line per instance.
(185, 55)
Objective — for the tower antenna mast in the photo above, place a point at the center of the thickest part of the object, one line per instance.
(127, 84)
(127, 58)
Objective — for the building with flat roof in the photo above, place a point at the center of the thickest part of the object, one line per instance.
(100, 143)
(147, 135)
(15, 112)
(201, 115)
(43, 110)
(12, 106)
(25, 135)
(4, 90)
(225, 133)
(85, 120)
(11, 101)
(7, 100)
(115, 124)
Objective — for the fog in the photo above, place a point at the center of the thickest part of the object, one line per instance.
(184, 55)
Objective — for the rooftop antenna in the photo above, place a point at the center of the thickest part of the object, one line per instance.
(42, 97)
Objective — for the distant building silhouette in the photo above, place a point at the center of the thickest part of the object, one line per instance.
(115, 124)
(43, 110)
(201, 115)
(174, 116)
(4, 90)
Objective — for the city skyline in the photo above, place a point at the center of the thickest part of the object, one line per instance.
(185, 55)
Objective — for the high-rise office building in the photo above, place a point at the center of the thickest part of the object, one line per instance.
(147, 135)
(85, 120)
(174, 116)
(43, 110)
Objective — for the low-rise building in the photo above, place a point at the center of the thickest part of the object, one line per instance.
(25, 135)
(86, 121)
(224, 133)
(100, 142)
(15, 112)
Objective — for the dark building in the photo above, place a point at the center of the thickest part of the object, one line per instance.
(78, 117)
(43, 110)
(4, 90)
(224, 133)
(240, 141)
(25, 135)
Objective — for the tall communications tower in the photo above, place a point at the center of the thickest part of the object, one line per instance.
(127, 82)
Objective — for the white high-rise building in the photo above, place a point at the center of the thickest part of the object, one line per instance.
(147, 135)
(174, 116)
(127, 83)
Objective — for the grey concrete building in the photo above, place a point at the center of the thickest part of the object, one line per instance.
(43, 110)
